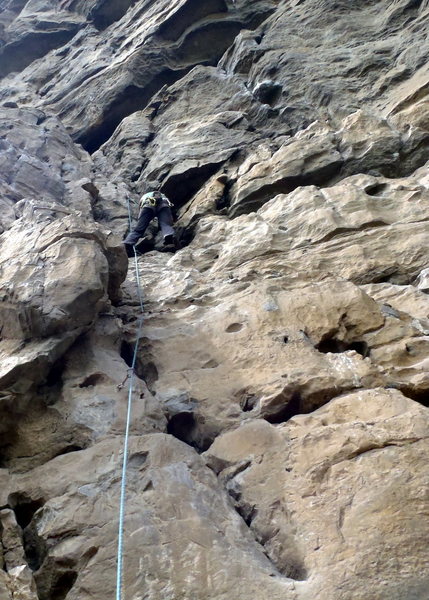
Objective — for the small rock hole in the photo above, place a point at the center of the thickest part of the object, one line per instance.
(149, 373)
(268, 92)
(146, 371)
(247, 513)
(185, 428)
(34, 548)
(211, 364)
(234, 327)
(24, 507)
(127, 353)
(297, 572)
(181, 426)
(60, 586)
(420, 396)
(376, 190)
(138, 459)
(55, 375)
(287, 411)
(92, 380)
(331, 345)
(69, 449)
(248, 403)
(359, 347)
(337, 346)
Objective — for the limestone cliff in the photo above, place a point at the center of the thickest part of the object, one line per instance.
(279, 435)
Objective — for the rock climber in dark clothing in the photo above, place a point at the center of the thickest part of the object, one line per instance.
(153, 204)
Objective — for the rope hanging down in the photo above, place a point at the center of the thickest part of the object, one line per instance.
(120, 559)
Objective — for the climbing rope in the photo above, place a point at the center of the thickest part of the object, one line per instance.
(131, 374)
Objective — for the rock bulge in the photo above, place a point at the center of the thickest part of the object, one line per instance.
(279, 433)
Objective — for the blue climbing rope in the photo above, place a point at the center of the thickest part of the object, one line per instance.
(131, 374)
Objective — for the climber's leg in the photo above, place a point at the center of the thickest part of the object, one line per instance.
(145, 218)
(165, 219)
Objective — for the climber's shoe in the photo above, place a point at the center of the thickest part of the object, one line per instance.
(169, 240)
(129, 249)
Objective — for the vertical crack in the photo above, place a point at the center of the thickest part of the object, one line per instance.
(277, 542)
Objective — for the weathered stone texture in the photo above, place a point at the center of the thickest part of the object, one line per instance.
(279, 425)
(335, 496)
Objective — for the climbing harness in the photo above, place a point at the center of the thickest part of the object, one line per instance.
(150, 202)
(130, 375)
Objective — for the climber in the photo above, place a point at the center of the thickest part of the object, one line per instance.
(153, 204)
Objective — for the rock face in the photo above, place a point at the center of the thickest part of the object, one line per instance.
(280, 388)
(352, 462)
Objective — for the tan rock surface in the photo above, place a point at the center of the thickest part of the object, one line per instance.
(11, 540)
(182, 537)
(3, 587)
(335, 495)
(243, 341)
(21, 584)
(288, 339)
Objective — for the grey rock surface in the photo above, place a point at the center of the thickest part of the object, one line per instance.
(280, 377)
